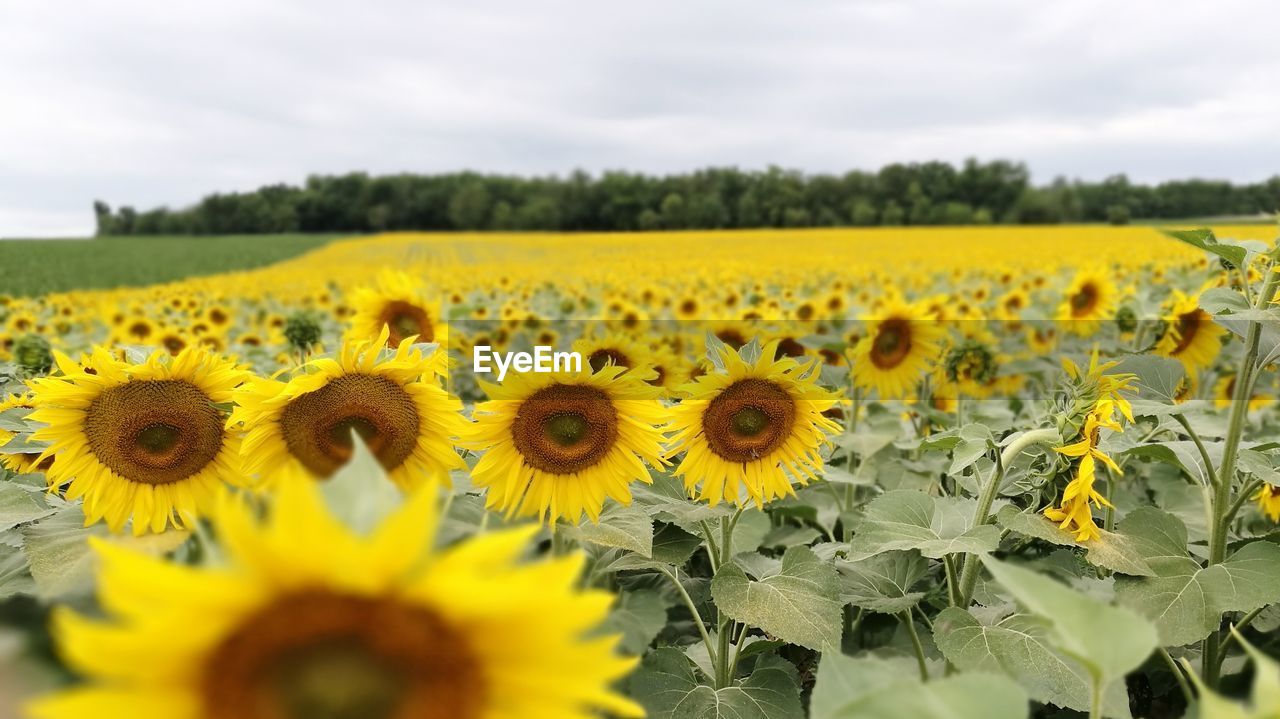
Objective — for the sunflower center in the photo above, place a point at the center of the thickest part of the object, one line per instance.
(318, 425)
(1084, 300)
(405, 320)
(602, 358)
(748, 420)
(1188, 325)
(154, 431)
(892, 343)
(318, 655)
(564, 429)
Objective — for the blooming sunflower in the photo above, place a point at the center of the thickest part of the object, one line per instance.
(393, 400)
(1190, 334)
(308, 619)
(20, 462)
(1091, 298)
(557, 444)
(898, 347)
(749, 430)
(143, 441)
(1224, 394)
(1268, 498)
(400, 304)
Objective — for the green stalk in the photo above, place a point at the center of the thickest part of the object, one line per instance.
(969, 574)
(1177, 674)
(1219, 526)
(910, 624)
(724, 677)
(693, 609)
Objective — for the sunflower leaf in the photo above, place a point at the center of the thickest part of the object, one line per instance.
(1017, 646)
(883, 583)
(19, 505)
(639, 616)
(15, 578)
(360, 494)
(874, 688)
(799, 604)
(667, 686)
(1204, 239)
(936, 526)
(1113, 550)
(620, 527)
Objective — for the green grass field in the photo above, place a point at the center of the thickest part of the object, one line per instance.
(32, 267)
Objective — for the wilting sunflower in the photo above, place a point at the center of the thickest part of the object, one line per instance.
(393, 400)
(557, 444)
(1190, 334)
(400, 304)
(897, 348)
(750, 430)
(1091, 298)
(143, 441)
(20, 462)
(307, 619)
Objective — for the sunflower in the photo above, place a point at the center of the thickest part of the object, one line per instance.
(1268, 498)
(557, 444)
(614, 349)
(20, 462)
(393, 400)
(1224, 394)
(402, 306)
(750, 429)
(897, 348)
(1091, 298)
(1190, 335)
(307, 618)
(143, 441)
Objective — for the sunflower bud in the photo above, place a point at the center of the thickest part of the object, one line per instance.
(303, 330)
(31, 352)
(1126, 319)
(971, 362)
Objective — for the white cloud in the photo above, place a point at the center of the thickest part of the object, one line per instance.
(146, 104)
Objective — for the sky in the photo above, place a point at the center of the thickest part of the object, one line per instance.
(148, 104)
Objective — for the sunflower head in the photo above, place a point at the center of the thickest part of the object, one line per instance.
(144, 441)
(399, 304)
(897, 347)
(749, 429)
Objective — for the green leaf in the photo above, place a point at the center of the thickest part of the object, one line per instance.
(1204, 239)
(360, 494)
(872, 688)
(667, 687)
(1017, 646)
(883, 583)
(936, 526)
(975, 442)
(1108, 641)
(800, 604)
(1183, 454)
(15, 419)
(1111, 551)
(1158, 379)
(14, 577)
(621, 527)
(19, 506)
(1187, 601)
(639, 616)
(666, 500)
(749, 533)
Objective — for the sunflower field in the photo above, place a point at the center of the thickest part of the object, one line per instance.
(964, 473)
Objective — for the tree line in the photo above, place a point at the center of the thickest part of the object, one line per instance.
(928, 193)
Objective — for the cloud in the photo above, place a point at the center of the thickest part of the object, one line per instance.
(145, 104)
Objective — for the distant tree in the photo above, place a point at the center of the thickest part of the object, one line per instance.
(102, 218)
(469, 207)
(1118, 214)
(862, 213)
(893, 214)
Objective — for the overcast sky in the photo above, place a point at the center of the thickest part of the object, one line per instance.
(150, 103)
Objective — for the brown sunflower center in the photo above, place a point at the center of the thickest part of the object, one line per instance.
(892, 343)
(1084, 300)
(318, 426)
(154, 431)
(1188, 325)
(404, 320)
(319, 655)
(748, 420)
(604, 357)
(564, 429)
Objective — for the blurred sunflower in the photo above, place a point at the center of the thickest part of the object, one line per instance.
(1224, 394)
(751, 429)
(614, 349)
(308, 619)
(143, 441)
(1091, 298)
(1190, 335)
(1268, 499)
(20, 462)
(558, 444)
(393, 400)
(400, 304)
(897, 348)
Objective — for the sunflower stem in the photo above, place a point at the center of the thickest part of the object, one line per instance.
(1179, 675)
(910, 624)
(724, 676)
(1204, 452)
(969, 573)
(674, 576)
(1222, 501)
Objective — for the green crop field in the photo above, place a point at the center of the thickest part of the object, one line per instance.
(32, 267)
